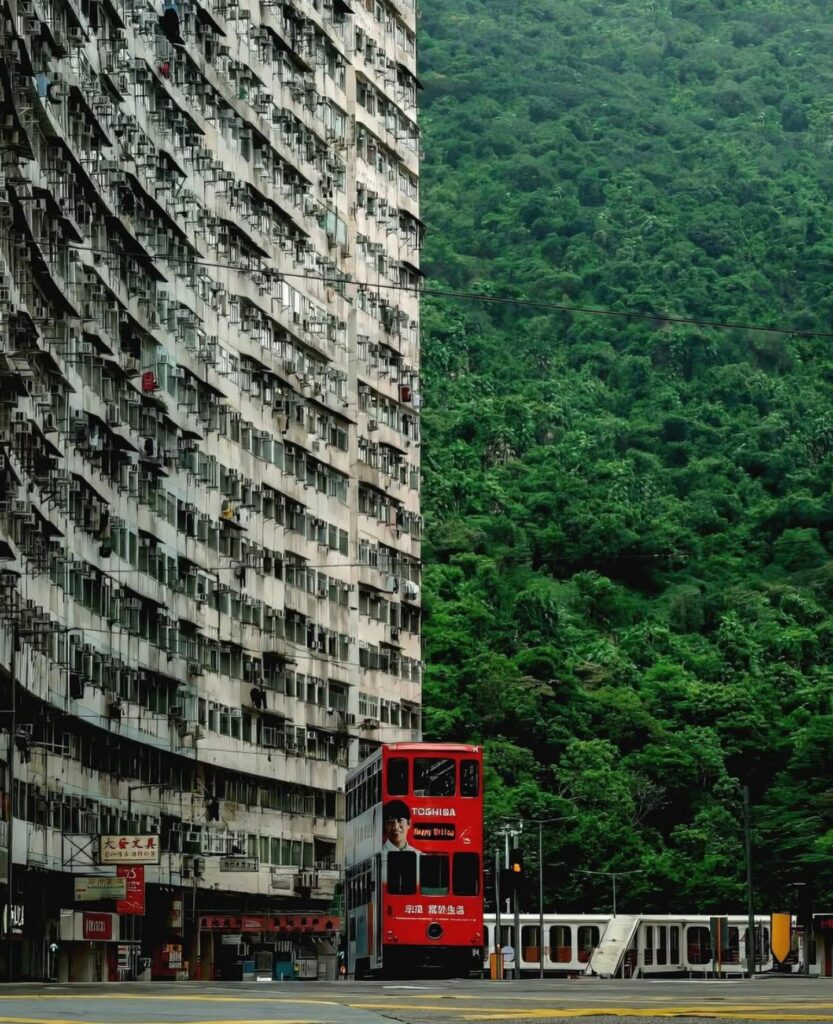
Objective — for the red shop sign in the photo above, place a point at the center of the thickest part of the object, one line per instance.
(98, 927)
(134, 900)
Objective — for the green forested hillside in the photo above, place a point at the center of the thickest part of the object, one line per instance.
(628, 583)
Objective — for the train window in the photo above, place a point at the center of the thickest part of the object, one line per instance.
(662, 944)
(761, 943)
(397, 776)
(699, 944)
(469, 778)
(674, 944)
(434, 776)
(648, 944)
(433, 874)
(588, 939)
(732, 955)
(561, 944)
(466, 874)
(530, 943)
(402, 873)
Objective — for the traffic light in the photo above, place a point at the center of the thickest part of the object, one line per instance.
(516, 863)
(508, 883)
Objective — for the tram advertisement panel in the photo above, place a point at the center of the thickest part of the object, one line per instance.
(432, 840)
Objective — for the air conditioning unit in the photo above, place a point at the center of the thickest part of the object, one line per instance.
(372, 424)
(306, 880)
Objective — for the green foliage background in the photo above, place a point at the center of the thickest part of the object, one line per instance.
(628, 584)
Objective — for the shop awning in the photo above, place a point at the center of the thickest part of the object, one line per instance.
(283, 924)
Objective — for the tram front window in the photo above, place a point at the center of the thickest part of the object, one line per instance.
(435, 776)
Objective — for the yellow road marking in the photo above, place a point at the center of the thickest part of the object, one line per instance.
(714, 1013)
(74, 1020)
(709, 1009)
(195, 998)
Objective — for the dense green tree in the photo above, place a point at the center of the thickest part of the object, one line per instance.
(628, 589)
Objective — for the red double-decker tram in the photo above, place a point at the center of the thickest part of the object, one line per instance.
(414, 861)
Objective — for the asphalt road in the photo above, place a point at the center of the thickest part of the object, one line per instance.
(591, 1000)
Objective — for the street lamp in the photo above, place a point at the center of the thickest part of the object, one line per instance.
(614, 875)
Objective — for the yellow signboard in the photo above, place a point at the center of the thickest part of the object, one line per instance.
(92, 888)
(780, 930)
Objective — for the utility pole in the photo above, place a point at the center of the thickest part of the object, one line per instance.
(10, 825)
(750, 905)
(541, 900)
(498, 937)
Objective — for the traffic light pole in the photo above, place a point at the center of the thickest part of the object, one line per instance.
(512, 834)
(517, 904)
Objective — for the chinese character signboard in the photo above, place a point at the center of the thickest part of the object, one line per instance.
(129, 850)
(89, 889)
(238, 863)
(134, 880)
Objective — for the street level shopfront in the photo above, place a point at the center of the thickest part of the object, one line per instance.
(267, 947)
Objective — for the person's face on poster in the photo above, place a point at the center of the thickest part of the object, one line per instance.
(396, 824)
(396, 831)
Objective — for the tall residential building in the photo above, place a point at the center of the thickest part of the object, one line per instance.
(209, 470)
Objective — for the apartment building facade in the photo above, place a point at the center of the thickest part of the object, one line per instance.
(209, 471)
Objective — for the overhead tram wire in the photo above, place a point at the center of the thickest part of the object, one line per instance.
(399, 563)
(467, 296)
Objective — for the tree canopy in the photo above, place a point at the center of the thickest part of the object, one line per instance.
(628, 583)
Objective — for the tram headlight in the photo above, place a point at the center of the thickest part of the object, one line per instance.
(434, 930)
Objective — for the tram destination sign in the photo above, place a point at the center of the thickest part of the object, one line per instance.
(239, 864)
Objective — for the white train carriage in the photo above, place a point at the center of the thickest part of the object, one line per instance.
(642, 945)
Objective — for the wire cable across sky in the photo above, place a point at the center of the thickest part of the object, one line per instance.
(545, 305)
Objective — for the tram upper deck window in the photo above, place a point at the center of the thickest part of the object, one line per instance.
(469, 778)
(435, 776)
(402, 872)
(397, 776)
